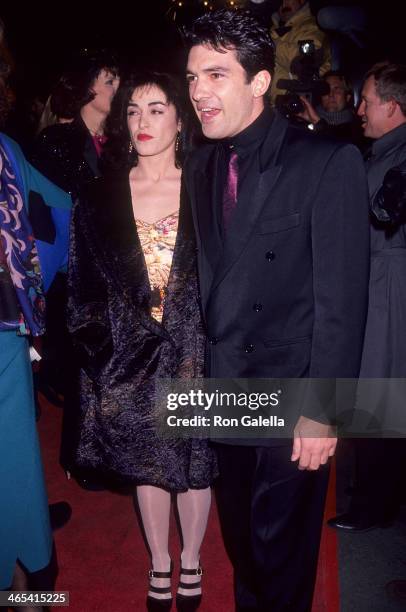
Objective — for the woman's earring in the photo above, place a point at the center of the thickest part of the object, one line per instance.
(130, 148)
(177, 142)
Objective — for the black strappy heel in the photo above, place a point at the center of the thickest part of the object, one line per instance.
(153, 603)
(189, 603)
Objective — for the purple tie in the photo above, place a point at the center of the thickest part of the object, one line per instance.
(230, 191)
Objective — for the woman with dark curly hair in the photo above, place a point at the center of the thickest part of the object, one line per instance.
(134, 313)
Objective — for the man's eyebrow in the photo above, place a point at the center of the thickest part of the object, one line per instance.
(210, 69)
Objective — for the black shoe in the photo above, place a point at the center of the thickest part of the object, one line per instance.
(396, 589)
(59, 514)
(348, 522)
(189, 603)
(153, 603)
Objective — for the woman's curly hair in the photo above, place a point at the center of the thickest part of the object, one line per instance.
(116, 152)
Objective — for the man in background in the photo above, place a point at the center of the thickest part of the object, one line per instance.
(381, 457)
(292, 24)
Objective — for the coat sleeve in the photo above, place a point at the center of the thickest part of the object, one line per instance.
(56, 208)
(341, 256)
(49, 210)
(49, 155)
(87, 311)
(53, 195)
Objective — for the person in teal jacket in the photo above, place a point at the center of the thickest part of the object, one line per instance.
(53, 251)
(25, 533)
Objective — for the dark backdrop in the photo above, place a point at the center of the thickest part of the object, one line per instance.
(43, 37)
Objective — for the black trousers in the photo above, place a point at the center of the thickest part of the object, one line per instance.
(271, 515)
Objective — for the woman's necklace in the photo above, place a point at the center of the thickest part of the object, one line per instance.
(97, 135)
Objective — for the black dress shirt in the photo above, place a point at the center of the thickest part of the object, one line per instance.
(246, 144)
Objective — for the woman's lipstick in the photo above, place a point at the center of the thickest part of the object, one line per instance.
(143, 137)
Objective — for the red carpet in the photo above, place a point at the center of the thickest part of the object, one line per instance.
(101, 554)
(326, 597)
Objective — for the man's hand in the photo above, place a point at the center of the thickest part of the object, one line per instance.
(309, 114)
(313, 443)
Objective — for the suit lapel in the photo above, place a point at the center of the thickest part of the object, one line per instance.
(260, 180)
(205, 213)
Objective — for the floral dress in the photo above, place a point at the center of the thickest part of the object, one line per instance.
(158, 243)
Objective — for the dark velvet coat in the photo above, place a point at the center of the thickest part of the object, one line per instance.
(124, 350)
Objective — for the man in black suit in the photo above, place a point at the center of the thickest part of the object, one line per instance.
(283, 270)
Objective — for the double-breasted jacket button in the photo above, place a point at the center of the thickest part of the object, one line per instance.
(257, 307)
(270, 255)
(213, 341)
(249, 348)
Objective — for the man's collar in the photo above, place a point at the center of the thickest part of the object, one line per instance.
(336, 117)
(252, 136)
(392, 138)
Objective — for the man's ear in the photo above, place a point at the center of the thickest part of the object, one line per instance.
(392, 107)
(260, 83)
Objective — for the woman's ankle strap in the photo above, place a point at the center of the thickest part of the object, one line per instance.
(198, 571)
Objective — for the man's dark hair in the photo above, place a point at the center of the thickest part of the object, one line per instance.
(116, 152)
(235, 30)
(390, 82)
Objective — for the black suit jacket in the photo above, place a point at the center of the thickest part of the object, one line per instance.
(285, 296)
(65, 153)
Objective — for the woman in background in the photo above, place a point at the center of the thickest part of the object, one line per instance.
(134, 311)
(25, 533)
(68, 154)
